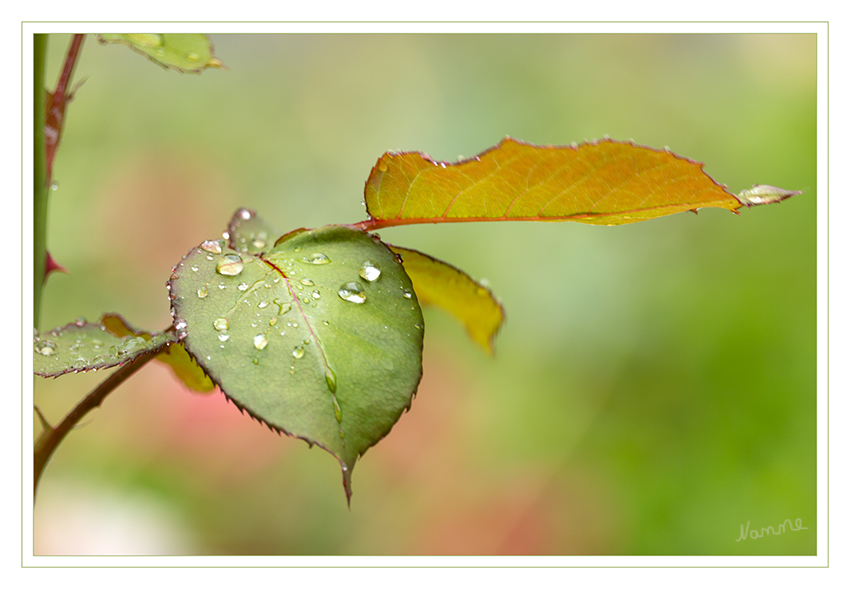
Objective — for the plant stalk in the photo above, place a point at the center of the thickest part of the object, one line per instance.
(51, 437)
(39, 175)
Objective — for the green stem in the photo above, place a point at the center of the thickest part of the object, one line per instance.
(39, 175)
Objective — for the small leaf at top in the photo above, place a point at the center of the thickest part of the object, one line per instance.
(319, 337)
(179, 51)
(441, 284)
(605, 183)
(174, 356)
(82, 346)
(247, 232)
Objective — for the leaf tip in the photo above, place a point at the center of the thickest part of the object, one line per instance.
(764, 194)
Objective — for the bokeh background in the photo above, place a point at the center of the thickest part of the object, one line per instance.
(653, 388)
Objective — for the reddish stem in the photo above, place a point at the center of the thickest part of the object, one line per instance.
(56, 102)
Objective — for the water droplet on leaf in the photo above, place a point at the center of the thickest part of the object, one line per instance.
(202, 292)
(229, 265)
(316, 259)
(298, 352)
(337, 411)
(369, 271)
(352, 292)
(260, 341)
(243, 286)
(45, 348)
(211, 246)
(221, 324)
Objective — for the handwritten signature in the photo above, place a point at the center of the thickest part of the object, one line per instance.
(780, 529)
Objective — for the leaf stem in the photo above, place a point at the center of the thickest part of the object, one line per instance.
(51, 437)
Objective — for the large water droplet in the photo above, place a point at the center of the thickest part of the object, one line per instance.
(352, 292)
(316, 259)
(369, 271)
(202, 292)
(260, 341)
(211, 246)
(45, 348)
(221, 324)
(298, 352)
(229, 265)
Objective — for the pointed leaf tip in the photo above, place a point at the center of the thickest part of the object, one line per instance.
(764, 194)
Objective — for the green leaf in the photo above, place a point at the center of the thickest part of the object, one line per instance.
(182, 52)
(249, 233)
(82, 346)
(453, 290)
(603, 183)
(319, 337)
(174, 356)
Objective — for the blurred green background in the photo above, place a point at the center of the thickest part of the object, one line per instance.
(653, 388)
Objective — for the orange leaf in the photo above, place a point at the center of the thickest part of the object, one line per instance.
(603, 183)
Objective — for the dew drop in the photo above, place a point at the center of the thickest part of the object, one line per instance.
(337, 411)
(382, 167)
(259, 243)
(202, 292)
(298, 352)
(45, 348)
(256, 361)
(352, 292)
(330, 377)
(272, 321)
(260, 341)
(181, 324)
(221, 287)
(211, 246)
(307, 282)
(223, 337)
(192, 56)
(54, 186)
(194, 268)
(316, 259)
(369, 271)
(221, 324)
(243, 286)
(244, 214)
(229, 265)
(263, 304)
(407, 294)
(316, 294)
(80, 321)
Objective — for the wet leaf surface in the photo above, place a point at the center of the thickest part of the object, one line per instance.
(319, 337)
(83, 346)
